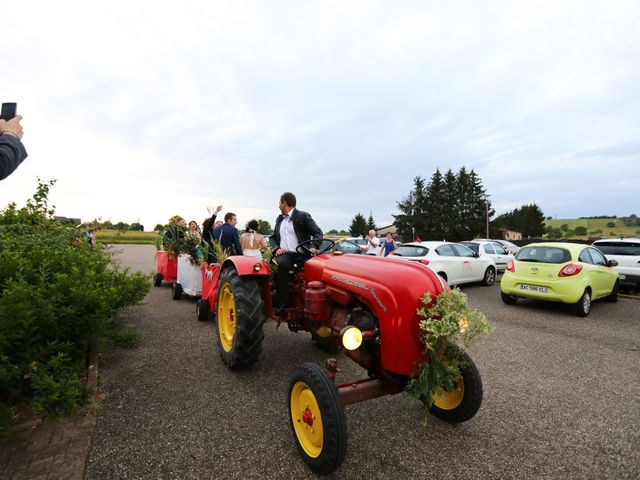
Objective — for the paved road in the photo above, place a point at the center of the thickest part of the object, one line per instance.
(561, 401)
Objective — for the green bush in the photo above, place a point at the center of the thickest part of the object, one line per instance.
(58, 298)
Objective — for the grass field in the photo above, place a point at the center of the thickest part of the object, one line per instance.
(595, 224)
(118, 237)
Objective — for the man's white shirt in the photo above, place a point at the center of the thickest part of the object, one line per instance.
(288, 239)
(372, 244)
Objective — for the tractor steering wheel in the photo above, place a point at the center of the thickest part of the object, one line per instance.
(305, 250)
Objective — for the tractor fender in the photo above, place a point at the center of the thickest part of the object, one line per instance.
(246, 265)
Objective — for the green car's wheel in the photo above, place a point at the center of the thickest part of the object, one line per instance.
(508, 299)
(583, 307)
(613, 296)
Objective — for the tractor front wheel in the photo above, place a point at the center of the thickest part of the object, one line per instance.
(240, 319)
(317, 419)
(464, 401)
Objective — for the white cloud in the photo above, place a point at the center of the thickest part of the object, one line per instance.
(143, 110)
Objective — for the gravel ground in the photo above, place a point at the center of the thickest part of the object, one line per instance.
(560, 401)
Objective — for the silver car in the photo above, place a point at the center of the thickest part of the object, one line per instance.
(491, 249)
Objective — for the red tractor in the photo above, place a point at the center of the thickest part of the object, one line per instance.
(366, 307)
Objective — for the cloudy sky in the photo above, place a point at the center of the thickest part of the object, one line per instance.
(143, 110)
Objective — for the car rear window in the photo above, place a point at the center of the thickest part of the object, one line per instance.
(543, 255)
(618, 248)
(472, 246)
(411, 251)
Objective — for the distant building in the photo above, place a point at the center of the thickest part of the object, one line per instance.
(381, 232)
(510, 235)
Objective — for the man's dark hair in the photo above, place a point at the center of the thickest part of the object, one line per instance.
(229, 216)
(288, 198)
(252, 225)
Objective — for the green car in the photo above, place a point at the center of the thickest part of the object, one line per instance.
(560, 272)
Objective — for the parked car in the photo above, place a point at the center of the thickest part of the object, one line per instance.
(492, 250)
(348, 246)
(625, 251)
(454, 262)
(511, 248)
(560, 272)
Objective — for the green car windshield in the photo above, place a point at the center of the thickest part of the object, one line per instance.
(543, 255)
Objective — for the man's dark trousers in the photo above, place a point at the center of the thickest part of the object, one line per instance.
(285, 265)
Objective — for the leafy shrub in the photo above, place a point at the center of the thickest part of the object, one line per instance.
(58, 298)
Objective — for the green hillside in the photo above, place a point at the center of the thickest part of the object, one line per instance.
(596, 227)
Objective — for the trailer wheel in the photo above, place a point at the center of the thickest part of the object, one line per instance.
(202, 310)
(239, 320)
(317, 419)
(157, 280)
(176, 291)
(463, 403)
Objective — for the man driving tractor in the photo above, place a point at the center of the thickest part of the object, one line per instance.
(292, 227)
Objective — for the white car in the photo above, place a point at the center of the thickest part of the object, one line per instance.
(511, 248)
(492, 250)
(452, 261)
(625, 251)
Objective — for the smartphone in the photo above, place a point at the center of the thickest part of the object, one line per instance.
(8, 111)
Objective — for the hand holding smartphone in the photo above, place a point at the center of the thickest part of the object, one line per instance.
(8, 111)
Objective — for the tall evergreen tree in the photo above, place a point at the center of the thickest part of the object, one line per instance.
(411, 222)
(371, 224)
(358, 226)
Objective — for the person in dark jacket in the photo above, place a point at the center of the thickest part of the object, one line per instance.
(12, 151)
(207, 232)
(227, 235)
(293, 226)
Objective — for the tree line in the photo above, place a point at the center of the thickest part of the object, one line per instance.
(453, 206)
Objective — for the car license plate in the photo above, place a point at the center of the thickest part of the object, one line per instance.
(533, 288)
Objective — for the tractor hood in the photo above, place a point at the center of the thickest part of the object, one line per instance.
(392, 291)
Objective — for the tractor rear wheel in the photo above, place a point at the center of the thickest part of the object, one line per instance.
(240, 319)
(157, 280)
(317, 419)
(176, 291)
(202, 310)
(464, 401)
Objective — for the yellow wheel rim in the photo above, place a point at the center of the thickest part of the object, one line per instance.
(448, 400)
(306, 418)
(227, 318)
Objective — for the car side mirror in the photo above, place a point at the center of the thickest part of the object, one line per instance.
(612, 263)
(477, 255)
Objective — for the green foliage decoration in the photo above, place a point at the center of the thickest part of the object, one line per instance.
(448, 327)
(59, 297)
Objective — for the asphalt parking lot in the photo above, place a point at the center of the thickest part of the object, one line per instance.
(560, 401)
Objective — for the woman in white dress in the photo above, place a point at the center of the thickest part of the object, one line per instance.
(252, 242)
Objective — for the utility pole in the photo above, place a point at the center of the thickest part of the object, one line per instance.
(486, 202)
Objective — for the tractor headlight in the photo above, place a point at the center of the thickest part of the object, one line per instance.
(351, 337)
